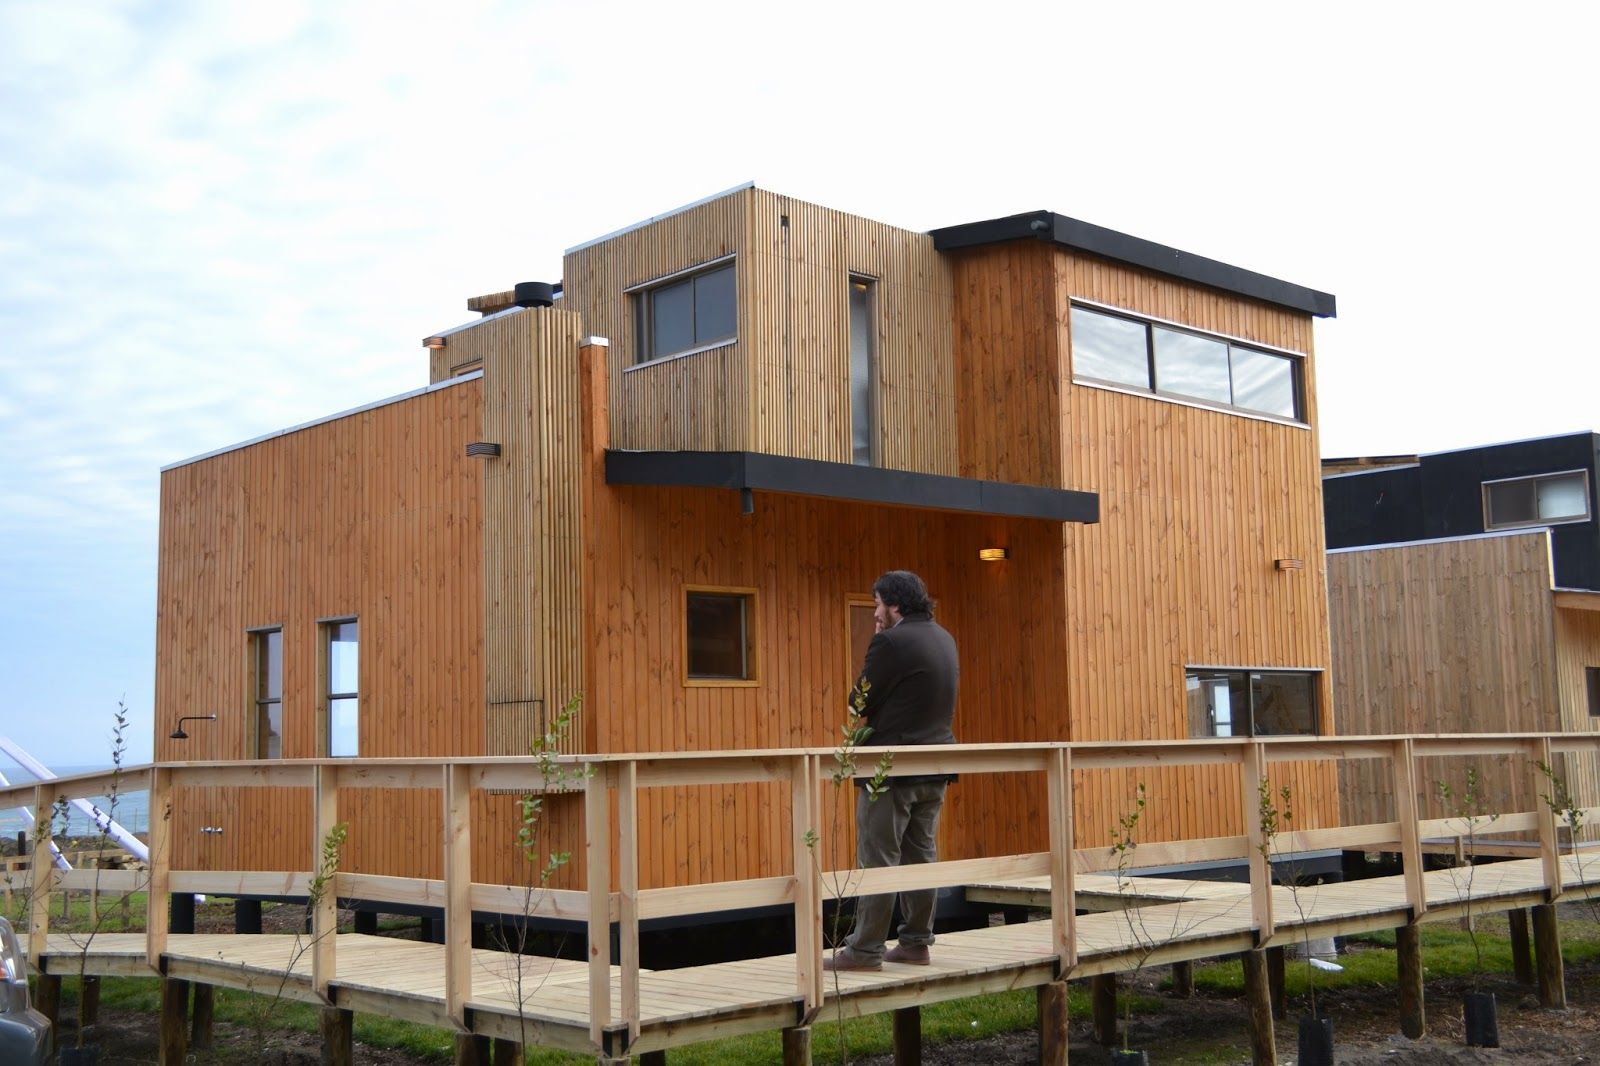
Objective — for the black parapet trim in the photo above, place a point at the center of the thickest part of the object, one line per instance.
(845, 481)
(1136, 251)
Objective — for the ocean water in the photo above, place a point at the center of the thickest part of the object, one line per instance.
(132, 808)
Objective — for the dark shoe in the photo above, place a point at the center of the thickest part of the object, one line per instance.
(910, 954)
(844, 959)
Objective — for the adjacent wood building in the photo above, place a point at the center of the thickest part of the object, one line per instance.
(668, 482)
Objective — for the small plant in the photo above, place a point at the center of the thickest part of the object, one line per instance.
(1569, 812)
(1275, 812)
(1467, 807)
(1124, 842)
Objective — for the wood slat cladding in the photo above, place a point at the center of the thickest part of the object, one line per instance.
(374, 516)
(1196, 504)
(532, 527)
(1450, 636)
(1577, 650)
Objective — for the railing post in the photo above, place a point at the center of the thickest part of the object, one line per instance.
(803, 822)
(1549, 832)
(1404, 759)
(597, 860)
(628, 886)
(457, 798)
(158, 914)
(1252, 775)
(1058, 791)
(325, 914)
(44, 873)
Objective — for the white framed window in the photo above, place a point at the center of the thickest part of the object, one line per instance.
(1536, 501)
(686, 312)
(863, 370)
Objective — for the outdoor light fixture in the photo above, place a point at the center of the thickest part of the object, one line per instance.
(1289, 564)
(993, 555)
(433, 343)
(179, 734)
(483, 448)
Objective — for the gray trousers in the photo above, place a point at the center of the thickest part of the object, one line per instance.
(900, 828)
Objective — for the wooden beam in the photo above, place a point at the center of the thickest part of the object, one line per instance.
(157, 915)
(1063, 903)
(1103, 1004)
(472, 1049)
(1252, 779)
(174, 1038)
(797, 1046)
(89, 999)
(44, 873)
(337, 1027)
(628, 892)
(47, 995)
(803, 829)
(1404, 767)
(1053, 1024)
(1521, 946)
(325, 914)
(1408, 963)
(1549, 837)
(1183, 979)
(907, 1029)
(1258, 998)
(1547, 952)
(457, 797)
(597, 858)
(509, 1053)
(1276, 973)
(203, 1015)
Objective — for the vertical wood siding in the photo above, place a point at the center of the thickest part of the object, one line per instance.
(1448, 637)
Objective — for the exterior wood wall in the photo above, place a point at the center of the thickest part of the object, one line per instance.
(1452, 636)
(1577, 648)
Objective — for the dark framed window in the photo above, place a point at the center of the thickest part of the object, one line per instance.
(719, 643)
(684, 313)
(341, 654)
(1112, 348)
(863, 370)
(1251, 703)
(1536, 501)
(1591, 678)
(266, 657)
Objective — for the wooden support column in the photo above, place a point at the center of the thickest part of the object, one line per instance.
(203, 1014)
(1547, 952)
(174, 1022)
(47, 996)
(1053, 1024)
(473, 1050)
(89, 1004)
(908, 1036)
(628, 893)
(1103, 998)
(1276, 982)
(338, 1036)
(44, 874)
(805, 822)
(1521, 946)
(247, 916)
(1063, 900)
(597, 866)
(325, 914)
(1258, 998)
(1183, 979)
(456, 792)
(649, 1058)
(367, 922)
(797, 1046)
(157, 908)
(1252, 776)
(1404, 767)
(1408, 963)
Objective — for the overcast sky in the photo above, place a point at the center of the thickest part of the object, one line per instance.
(221, 219)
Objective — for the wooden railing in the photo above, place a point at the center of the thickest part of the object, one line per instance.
(618, 779)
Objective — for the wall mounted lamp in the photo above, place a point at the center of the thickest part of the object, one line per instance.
(179, 734)
(433, 343)
(994, 555)
(1289, 564)
(484, 449)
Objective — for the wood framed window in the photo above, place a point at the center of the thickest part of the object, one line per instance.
(339, 728)
(719, 636)
(863, 370)
(264, 737)
(1591, 679)
(1546, 499)
(860, 628)
(687, 312)
(1251, 703)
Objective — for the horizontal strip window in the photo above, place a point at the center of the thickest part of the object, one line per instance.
(1536, 501)
(1140, 355)
(1251, 703)
(690, 312)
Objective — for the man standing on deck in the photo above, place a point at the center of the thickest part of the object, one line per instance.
(911, 674)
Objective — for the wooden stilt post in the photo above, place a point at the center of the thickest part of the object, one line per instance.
(1521, 946)
(797, 1046)
(1053, 1024)
(473, 1050)
(649, 1058)
(174, 1021)
(1547, 952)
(1276, 982)
(1103, 998)
(89, 990)
(1258, 997)
(908, 1036)
(509, 1053)
(1408, 962)
(367, 922)
(204, 1009)
(338, 1036)
(47, 996)
(1183, 979)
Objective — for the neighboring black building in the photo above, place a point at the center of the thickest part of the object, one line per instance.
(1544, 482)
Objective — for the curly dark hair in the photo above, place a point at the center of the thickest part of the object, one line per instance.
(904, 590)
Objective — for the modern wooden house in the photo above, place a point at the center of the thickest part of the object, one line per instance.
(668, 482)
(1464, 594)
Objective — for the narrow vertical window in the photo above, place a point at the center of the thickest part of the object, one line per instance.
(342, 654)
(268, 727)
(1591, 676)
(863, 334)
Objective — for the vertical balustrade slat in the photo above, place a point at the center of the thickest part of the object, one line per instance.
(628, 885)
(1058, 781)
(44, 873)
(807, 891)
(457, 797)
(325, 914)
(1549, 833)
(597, 859)
(158, 913)
(1404, 762)
(1252, 775)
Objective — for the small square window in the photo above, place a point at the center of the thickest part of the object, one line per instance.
(719, 636)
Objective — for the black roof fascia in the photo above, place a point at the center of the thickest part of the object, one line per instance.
(844, 481)
(1136, 251)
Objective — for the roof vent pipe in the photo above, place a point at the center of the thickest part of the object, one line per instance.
(534, 294)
